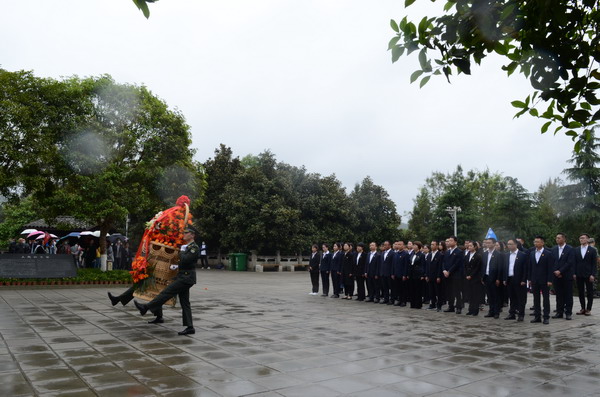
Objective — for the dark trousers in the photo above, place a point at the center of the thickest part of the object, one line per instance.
(426, 292)
(564, 294)
(360, 286)
(325, 282)
(492, 293)
(536, 289)
(395, 288)
(436, 292)
(385, 287)
(182, 290)
(348, 285)
(372, 287)
(473, 294)
(518, 296)
(203, 261)
(448, 293)
(584, 282)
(336, 281)
(415, 292)
(454, 294)
(403, 291)
(127, 296)
(314, 279)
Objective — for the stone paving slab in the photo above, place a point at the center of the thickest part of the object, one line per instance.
(261, 334)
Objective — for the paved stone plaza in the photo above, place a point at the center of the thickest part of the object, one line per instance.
(261, 334)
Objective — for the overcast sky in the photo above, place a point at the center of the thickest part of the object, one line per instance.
(311, 80)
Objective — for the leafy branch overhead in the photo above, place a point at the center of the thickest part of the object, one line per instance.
(143, 6)
(554, 43)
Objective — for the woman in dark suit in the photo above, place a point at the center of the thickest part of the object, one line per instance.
(337, 261)
(416, 276)
(348, 271)
(360, 261)
(473, 281)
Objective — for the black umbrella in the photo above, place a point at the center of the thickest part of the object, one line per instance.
(116, 236)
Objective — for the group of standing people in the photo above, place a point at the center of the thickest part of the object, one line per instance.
(442, 274)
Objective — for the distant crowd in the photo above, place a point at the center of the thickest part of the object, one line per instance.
(118, 254)
(442, 274)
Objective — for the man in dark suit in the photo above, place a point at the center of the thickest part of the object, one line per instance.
(372, 273)
(515, 280)
(398, 266)
(585, 272)
(491, 273)
(453, 271)
(564, 257)
(313, 268)
(433, 276)
(337, 260)
(360, 261)
(325, 268)
(184, 280)
(540, 275)
(385, 272)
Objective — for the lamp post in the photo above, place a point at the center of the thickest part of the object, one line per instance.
(453, 211)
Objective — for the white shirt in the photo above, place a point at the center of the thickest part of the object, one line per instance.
(538, 255)
(433, 255)
(583, 250)
(358, 257)
(471, 255)
(385, 254)
(487, 268)
(325, 253)
(313, 255)
(372, 255)
(511, 263)
(560, 250)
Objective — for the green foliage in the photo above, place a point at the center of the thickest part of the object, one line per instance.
(92, 148)
(12, 218)
(142, 5)
(83, 275)
(260, 203)
(554, 44)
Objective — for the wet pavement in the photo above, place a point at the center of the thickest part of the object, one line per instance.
(261, 334)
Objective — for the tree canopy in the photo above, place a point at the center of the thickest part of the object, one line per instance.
(554, 43)
(92, 148)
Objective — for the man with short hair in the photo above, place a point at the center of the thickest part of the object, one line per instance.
(584, 274)
(515, 279)
(491, 273)
(433, 274)
(453, 271)
(385, 272)
(564, 264)
(399, 270)
(541, 267)
(184, 280)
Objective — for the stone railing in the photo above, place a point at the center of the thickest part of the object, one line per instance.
(260, 263)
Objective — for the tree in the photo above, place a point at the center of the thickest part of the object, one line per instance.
(421, 216)
(13, 217)
(554, 43)
(93, 148)
(375, 212)
(143, 6)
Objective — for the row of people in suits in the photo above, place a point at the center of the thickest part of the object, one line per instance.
(402, 274)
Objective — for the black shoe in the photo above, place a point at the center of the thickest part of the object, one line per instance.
(396, 303)
(557, 315)
(157, 320)
(458, 311)
(520, 319)
(475, 314)
(489, 315)
(496, 316)
(532, 308)
(376, 300)
(438, 310)
(469, 314)
(113, 299)
(568, 317)
(511, 317)
(546, 321)
(325, 295)
(537, 320)
(368, 300)
(449, 310)
(187, 331)
(141, 307)
(384, 302)
(403, 305)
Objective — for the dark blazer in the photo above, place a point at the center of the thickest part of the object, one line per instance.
(473, 266)
(337, 259)
(541, 272)
(314, 262)
(416, 265)
(520, 268)
(433, 267)
(360, 264)
(454, 263)
(326, 262)
(372, 267)
(385, 264)
(399, 263)
(496, 265)
(187, 263)
(566, 262)
(348, 264)
(585, 266)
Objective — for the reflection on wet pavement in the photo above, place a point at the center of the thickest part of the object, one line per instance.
(263, 335)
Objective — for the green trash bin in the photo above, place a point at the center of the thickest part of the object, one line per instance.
(232, 262)
(241, 262)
